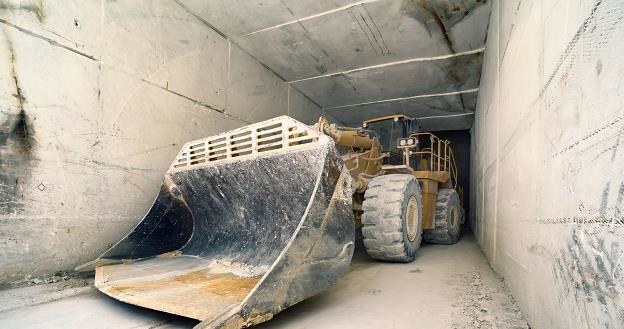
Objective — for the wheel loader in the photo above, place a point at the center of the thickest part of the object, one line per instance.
(254, 220)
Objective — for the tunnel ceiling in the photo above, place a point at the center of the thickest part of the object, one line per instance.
(362, 59)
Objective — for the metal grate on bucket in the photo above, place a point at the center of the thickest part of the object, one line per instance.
(275, 134)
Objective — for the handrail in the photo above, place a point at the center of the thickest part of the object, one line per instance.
(441, 157)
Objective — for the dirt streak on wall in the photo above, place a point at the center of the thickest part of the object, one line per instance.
(96, 99)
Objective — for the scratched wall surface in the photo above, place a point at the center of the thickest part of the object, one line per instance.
(547, 180)
(96, 98)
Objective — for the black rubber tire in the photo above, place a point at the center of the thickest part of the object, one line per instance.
(446, 229)
(385, 218)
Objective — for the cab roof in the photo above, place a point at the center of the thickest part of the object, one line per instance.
(400, 116)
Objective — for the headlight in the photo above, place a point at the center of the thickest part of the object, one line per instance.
(410, 141)
(402, 142)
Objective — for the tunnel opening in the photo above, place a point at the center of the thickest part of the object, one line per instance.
(461, 144)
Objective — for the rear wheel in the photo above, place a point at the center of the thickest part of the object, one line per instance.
(447, 218)
(392, 218)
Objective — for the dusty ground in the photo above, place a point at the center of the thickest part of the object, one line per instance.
(445, 287)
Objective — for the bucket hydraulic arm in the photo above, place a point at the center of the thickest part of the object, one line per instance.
(363, 155)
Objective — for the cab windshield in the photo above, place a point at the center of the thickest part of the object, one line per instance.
(388, 131)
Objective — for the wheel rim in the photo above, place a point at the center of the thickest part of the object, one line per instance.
(453, 217)
(412, 218)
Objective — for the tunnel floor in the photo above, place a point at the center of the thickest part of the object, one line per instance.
(445, 287)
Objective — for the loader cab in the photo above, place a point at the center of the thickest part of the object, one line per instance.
(389, 129)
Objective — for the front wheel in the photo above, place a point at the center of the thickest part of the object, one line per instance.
(392, 218)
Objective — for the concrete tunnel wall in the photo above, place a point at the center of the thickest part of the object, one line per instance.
(547, 175)
(96, 99)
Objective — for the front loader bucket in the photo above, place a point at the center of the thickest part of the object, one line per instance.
(246, 224)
